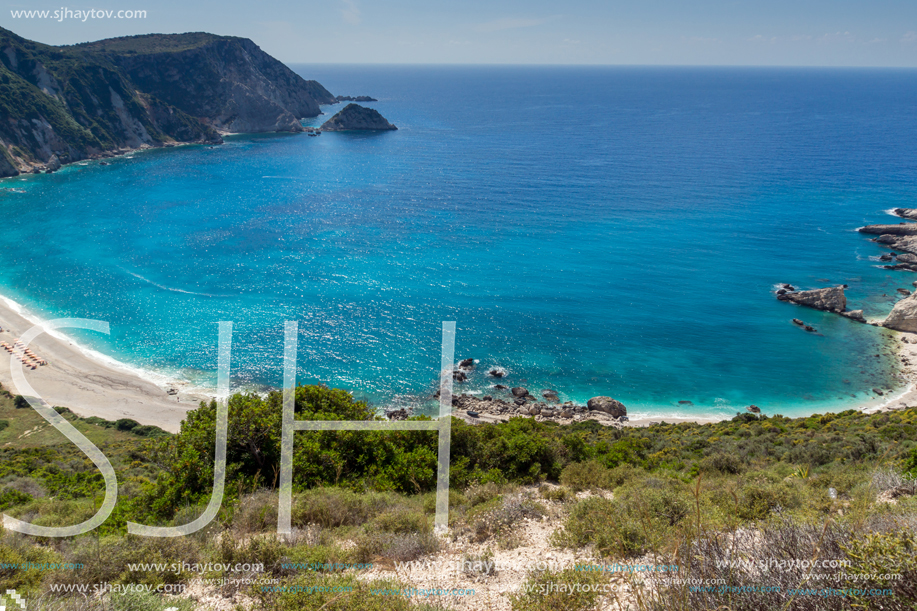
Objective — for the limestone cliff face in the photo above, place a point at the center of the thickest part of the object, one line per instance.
(83, 101)
(903, 316)
(230, 83)
(356, 117)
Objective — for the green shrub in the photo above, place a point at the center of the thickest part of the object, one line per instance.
(321, 592)
(758, 500)
(882, 554)
(910, 464)
(126, 424)
(375, 546)
(722, 462)
(551, 591)
(586, 476)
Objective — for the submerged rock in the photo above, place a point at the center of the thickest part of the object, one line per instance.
(354, 117)
(828, 300)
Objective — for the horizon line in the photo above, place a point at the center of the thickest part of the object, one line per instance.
(563, 65)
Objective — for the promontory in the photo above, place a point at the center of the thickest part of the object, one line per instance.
(64, 104)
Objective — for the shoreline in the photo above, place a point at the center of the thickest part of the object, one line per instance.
(91, 383)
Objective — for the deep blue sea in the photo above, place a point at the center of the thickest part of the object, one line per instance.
(598, 231)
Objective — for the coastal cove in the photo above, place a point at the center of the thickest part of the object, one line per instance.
(624, 243)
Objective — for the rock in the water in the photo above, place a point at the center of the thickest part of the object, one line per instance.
(397, 414)
(903, 316)
(500, 387)
(359, 98)
(906, 213)
(886, 257)
(467, 364)
(899, 230)
(519, 392)
(497, 373)
(685, 403)
(799, 322)
(829, 300)
(610, 406)
(906, 244)
(459, 376)
(354, 117)
(54, 163)
(904, 292)
(754, 409)
(810, 329)
(487, 398)
(856, 315)
(878, 392)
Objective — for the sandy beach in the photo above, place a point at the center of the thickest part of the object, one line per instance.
(76, 379)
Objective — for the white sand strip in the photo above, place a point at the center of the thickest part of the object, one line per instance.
(75, 379)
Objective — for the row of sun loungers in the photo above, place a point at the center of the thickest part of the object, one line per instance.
(28, 358)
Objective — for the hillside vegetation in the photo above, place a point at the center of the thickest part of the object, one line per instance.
(832, 487)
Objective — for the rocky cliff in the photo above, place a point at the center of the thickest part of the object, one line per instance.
(63, 104)
(356, 117)
(903, 316)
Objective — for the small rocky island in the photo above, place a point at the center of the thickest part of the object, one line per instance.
(354, 117)
(359, 98)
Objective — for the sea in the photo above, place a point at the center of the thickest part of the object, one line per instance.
(612, 231)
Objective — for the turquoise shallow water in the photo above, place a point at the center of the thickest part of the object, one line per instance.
(597, 231)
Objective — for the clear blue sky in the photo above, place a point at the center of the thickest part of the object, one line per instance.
(700, 32)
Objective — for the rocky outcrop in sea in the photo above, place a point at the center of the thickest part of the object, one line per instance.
(359, 98)
(831, 299)
(354, 117)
